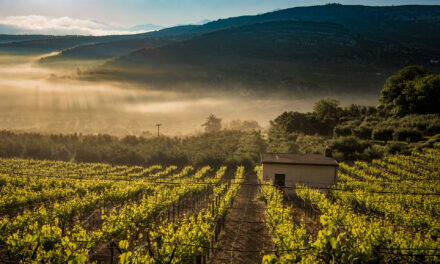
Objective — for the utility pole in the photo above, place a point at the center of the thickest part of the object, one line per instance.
(158, 128)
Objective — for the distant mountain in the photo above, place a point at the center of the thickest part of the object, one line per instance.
(109, 49)
(51, 43)
(332, 48)
(4, 38)
(306, 50)
(390, 24)
(145, 27)
(379, 22)
(29, 44)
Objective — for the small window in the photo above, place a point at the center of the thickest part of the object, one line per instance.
(280, 180)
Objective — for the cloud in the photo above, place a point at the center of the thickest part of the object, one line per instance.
(35, 24)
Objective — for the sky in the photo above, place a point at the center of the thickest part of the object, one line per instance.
(100, 17)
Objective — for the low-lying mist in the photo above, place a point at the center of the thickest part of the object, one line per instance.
(52, 100)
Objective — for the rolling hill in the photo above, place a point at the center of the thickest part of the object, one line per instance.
(305, 50)
(324, 49)
(109, 49)
(5, 38)
(29, 44)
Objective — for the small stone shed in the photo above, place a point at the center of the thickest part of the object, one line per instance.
(286, 170)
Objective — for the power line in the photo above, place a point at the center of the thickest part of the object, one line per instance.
(158, 129)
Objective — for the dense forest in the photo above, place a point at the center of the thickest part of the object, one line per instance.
(406, 117)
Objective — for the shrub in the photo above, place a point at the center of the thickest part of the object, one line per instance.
(342, 130)
(311, 144)
(399, 148)
(394, 148)
(363, 132)
(348, 148)
(384, 134)
(403, 134)
(433, 130)
(374, 152)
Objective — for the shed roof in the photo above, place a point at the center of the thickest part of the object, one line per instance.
(298, 159)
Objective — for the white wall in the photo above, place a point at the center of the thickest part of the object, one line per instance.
(311, 175)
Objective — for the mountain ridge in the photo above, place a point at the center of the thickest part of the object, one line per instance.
(206, 58)
(330, 48)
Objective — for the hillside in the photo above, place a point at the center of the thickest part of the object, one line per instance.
(106, 50)
(29, 44)
(390, 22)
(299, 57)
(51, 43)
(304, 50)
(299, 50)
(408, 23)
(5, 38)
(109, 49)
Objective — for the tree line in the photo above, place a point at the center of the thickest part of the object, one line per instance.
(408, 111)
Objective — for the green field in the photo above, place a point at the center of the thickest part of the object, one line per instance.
(386, 211)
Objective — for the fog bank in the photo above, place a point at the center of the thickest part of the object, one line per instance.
(52, 100)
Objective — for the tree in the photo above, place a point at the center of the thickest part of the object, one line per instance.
(327, 108)
(385, 134)
(343, 130)
(413, 90)
(212, 124)
(363, 132)
(327, 112)
(411, 134)
(348, 148)
(427, 95)
(291, 122)
(355, 111)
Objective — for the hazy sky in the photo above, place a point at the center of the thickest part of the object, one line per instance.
(103, 17)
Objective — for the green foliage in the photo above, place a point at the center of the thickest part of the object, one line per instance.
(356, 112)
(212, 124)
(326, 119)
(405, 134)
(363, 132)
(278, 142)
(198, 230)
(311, 144)
(289, 240)
(342, 130)
(55, 232)
(232, 147)
(413, 90)
(383, 133)
(290, 122)
(433, 129)
(348, 148)
(327, 111)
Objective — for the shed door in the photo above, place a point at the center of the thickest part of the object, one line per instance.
(280, 180)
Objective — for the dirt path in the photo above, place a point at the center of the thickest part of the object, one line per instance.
(245, 230)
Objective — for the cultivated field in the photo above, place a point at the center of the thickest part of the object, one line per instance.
(386, 211)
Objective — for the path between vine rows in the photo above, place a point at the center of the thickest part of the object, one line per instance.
(245, 230)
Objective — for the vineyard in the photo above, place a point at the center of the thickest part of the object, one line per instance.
(386, 211)
(56, 212)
